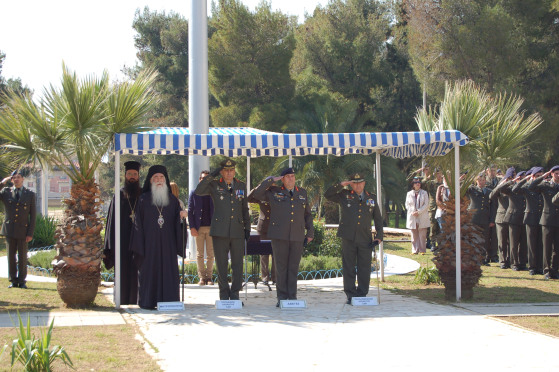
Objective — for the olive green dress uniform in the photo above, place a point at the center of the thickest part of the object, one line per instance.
(532, 215)
(431, 187)
(502, 227)
(355, 231)
(290, 216)
(514, 216)
(494, 246)
(229, 222)
(19, 223)
(262, 228)
(550, 224)
(482, 207)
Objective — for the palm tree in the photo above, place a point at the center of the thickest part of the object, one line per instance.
(498, 132)
(72, 128)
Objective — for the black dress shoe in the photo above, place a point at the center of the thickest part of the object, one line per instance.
(278, 303)
(348, 302)
(22, 285)
(13, 285)
(515, 268)
(504, 266)
(532, 272)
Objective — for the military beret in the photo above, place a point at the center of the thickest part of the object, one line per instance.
(287, 171)
(481, 174)
(509, 173)
(521, 173)
(132, 165)
(17, 171)
(356, 177)
(555, 168)
(537, 170)
(228, 164)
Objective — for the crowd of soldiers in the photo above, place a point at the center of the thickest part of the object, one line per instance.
(518, 213)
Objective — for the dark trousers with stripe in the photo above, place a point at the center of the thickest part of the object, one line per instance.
(535, 247)
(356, 255)
(550, 238)
(287, 256)
(17, 267)
(222, 248)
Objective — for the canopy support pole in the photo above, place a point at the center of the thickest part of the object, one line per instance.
(457, 222)
(379, 201)
(116, 287)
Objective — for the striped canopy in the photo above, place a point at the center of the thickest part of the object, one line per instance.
(252, 142)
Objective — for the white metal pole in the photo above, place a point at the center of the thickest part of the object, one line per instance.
(290, 161)
(198, 106)
(45, 191)
(379, 201)
(117, 231)
(248, 175)
(457, 226)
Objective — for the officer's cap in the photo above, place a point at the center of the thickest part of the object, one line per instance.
(228, 164)
(287, 171)
(356, 177)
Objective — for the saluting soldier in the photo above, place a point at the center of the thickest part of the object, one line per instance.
(18, 227)
(514, 216)
(481, 207)
(549, 220)
(290, 216)
(358, 208)
(502, 201)
(532, 215)
(230, 225)
(262, 228)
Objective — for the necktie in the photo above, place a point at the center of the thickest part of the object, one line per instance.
(360, 198)
(291, 192)
(18, 193)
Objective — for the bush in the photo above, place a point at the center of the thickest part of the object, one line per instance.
(331, 244)
(313, 263)
(42, 259)
(45, 228)
(313, 248)
(427, 275)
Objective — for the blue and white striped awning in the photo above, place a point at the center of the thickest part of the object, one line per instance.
(252, 142)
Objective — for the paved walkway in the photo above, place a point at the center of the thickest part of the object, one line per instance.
(401, 333)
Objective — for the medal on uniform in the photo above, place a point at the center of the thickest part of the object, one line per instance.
(221, 197)
(348, 205)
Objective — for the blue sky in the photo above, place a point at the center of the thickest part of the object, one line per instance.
(89, 36)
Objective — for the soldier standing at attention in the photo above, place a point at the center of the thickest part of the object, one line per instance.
(230, 225)
(549, 220)
(532, 215)
(479, 202)
(358, 208)
(290, 216)
(19, 224)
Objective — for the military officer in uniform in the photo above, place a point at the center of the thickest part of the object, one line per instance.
(481, 207)
(19, 224)
(532, 215)
(431, 187)
(290, 216)
(230, 225)
(262, 228)
(358, 208)
(549, 220)
(514, 216)
(502, 201)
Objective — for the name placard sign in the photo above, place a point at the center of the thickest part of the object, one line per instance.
(293, 304)
(170, 306)
(228, 304)
(364, 301)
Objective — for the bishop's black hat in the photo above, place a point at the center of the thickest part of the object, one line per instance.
(132, 165)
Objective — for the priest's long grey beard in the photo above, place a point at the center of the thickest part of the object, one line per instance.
(160, 195)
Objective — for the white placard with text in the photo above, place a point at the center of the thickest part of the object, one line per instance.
(293, 304)
(228, 304)
(170, 306)
(364, 301)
